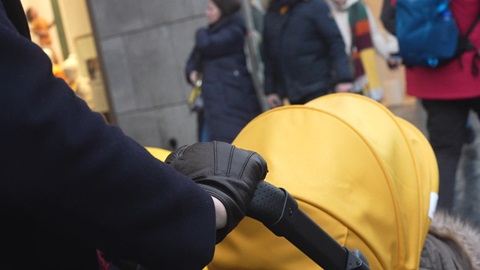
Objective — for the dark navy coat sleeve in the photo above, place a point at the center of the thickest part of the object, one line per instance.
(193, 64)
(66, 174)
(220, 43)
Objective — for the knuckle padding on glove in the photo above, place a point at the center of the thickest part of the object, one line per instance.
(227, 173)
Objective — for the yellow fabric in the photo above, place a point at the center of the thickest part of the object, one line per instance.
(159, 153)
(370, 67)
(362, 174)
(58, 72)
(194, 94)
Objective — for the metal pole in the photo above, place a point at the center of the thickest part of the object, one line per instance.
(253, 56)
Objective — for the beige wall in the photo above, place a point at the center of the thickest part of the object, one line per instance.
(81, 42)
(144, 46)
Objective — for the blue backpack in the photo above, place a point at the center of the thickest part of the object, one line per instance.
(427, 33)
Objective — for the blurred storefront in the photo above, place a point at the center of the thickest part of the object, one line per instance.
(63, 29)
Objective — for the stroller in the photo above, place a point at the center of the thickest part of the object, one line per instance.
(368, 179)
(358, 189)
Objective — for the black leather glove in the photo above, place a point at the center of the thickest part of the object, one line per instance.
(227, 173)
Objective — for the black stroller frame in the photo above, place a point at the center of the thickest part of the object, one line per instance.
(279, 212)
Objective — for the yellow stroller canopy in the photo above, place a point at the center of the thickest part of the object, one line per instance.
(365, 176)
(159, 153)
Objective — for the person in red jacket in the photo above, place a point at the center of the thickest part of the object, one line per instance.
(70, 184)
(448, 94)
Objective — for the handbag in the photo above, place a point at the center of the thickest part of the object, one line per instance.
(195, 101)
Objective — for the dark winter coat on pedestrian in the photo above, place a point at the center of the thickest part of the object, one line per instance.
(387, 16)
(230, 100)
(71, 184)
(304, 50)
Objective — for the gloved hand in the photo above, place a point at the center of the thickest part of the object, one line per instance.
(227, 173)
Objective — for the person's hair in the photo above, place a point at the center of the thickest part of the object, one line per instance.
(227, 7)
(28, 14)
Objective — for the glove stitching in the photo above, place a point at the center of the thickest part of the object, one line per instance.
(230, 159)
(215, 166)
(240, 175)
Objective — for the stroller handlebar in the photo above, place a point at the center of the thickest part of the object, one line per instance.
(279, 212)
(266, 205)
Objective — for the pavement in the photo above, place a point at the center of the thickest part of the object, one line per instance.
(467, 201)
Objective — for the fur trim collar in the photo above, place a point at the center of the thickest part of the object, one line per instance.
(460, 235)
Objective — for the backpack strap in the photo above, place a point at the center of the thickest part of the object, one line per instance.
(465, 44)
(474, 67)
(473, 26)
(470, 47)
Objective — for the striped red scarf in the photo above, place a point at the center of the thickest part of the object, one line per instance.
(361, 36)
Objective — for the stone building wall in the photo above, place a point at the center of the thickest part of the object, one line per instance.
(143, 47)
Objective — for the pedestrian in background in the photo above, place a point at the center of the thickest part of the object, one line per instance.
(230, 99)
(363, 41)
(41, 28)
(448, 94)
(304, 52)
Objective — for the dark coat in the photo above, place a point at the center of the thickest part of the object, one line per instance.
(304, 51)
(387, 16)
(229, 95)
(71, 184)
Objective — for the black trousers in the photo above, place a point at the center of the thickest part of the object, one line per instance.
(446, 125)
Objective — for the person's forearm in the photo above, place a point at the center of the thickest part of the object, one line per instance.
(220, 214)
